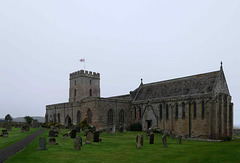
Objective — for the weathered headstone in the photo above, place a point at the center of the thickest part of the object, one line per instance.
(78, 128)
(149, 132)
(151, 139)
(65, 136)
(73, 133)
(4, 134)
(96, 136)
(88, 137)
(179, 139)
(109, 131)
(138, 141)
(52, 127)
(186, 136)
(141, 140)
(164, 141)
(9, 127)
(86, 131)
(52, 141)
(171, 135)
(35, 124)
(121, 129)
(42, 144)
(78, 143)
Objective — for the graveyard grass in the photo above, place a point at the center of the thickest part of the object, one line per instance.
(121, 147)
(14, 136)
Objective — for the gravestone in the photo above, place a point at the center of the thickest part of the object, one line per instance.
(78, 143)
(52, 141)
(86, 131)
(109, 131)
(78, 128)
(51, 133)
(121, 129)
(35, 124)
(65, 136)
(138, 141)
(88, 138)
(42, 144)
(186, 136)
(9, 127)
(141, 140)
(151, 139)
(179, 139)
(171, 135)
(96, 136)
(149, 132)
(52, 127)
(73, 133)
(164, 141)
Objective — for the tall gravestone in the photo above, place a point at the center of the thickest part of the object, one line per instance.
(96, 136)
(164, 141)
(88, 137)
(151, 139)
(42, 144)
(138, 141)
(179, 139)
(78, 143)
(73, 133)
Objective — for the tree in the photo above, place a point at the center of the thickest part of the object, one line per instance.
(28, 119)
(8, 118)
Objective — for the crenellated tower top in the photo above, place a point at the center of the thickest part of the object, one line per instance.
(82, 73)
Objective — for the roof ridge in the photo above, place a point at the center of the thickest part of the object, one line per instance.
(181, 78)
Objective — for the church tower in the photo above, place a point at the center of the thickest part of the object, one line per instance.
(84, 84)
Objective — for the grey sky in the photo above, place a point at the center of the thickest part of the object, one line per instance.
(42, 41)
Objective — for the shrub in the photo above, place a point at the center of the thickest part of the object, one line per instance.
(57, 125)
(83, 125)
(136, 127)
(44, 125)
(227, 138)
(50, 123)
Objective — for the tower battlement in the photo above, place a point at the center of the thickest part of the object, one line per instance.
(85, 73)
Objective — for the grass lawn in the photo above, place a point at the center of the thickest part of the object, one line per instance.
(121, 147)
(14, 136)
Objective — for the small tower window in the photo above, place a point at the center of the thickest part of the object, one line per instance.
(203, 109)
(160, 111)
(90, 92)
(176, 113)
(75, 92)
(194, 110)
(167, 113)
(90, 82)
(183, 110)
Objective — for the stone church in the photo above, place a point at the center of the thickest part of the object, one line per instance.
(198, 105)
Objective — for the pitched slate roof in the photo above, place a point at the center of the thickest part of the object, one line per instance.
(186, 86)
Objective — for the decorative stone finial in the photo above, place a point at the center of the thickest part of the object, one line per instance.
(221, 65)
(141, 81)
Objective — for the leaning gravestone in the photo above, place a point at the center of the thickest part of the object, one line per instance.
(151, 139)
(73, 133)
(164, 141)
(138, 141)
(42, 144)
(141, 140)
(179, 139)
(52, 141)
(88, 137)
(96, 136)
(78, 143)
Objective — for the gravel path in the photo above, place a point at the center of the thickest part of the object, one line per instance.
(14, 148)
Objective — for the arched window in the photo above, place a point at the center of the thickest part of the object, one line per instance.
(54, 118)
(194, 109)
(167, 113)
(135, 113)
(90, 82)
(140, 112)
(89, 115)
(160, 111)
(203, 109)
(59, 120)
(176, 112)
(183, 110)
(78, 117)
(90, 92)
(110, 116)
(75, 92)
(121, 117)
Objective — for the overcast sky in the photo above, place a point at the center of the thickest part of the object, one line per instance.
(41, 42)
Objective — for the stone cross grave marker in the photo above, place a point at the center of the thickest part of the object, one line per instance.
(151, 139)
(88, 137)
(141, 140)
(52, 141)
(138, 141)
(96, 136)
(179, 139)
(164, 141)
(78, 143)
(42, 144)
